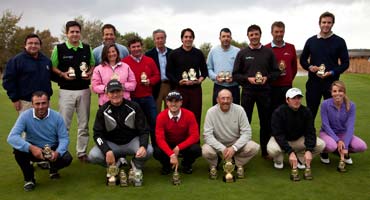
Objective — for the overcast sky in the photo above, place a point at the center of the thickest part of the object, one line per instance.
(206, 18)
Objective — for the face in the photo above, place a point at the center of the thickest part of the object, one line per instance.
(112, 54)
(254, 37)
(74, 34)
(187, 40)
(159, 40)
(108, 35)
(295, 102)
(224, 99)
(174, 105)
(337, 93)
(115, 97)
(33, 46)
(40, 105)
(326, 24)
(277, 34)
(225, 39)
(136, 49)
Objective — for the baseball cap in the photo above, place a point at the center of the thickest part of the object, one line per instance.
(114, 85)
(174, 95)
(292, 92)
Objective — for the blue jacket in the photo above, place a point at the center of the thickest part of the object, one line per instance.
(25, 74)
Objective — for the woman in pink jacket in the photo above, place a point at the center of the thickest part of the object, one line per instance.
(112, 68)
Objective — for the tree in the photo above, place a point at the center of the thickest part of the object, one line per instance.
(148, 43)
(123, 39)
(241, 45)
(205, 48)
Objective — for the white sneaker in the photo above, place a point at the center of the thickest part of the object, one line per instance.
(325, 160)
(278, 165)
(348, 161)
(301, 166)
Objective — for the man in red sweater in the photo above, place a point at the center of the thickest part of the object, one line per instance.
(177, 134)
(146, 75)
(287, 60)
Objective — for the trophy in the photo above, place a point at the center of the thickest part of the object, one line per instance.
(185, 76)
(112, 172)
(282, 68)
(122, 178)
(176, 177)
(115, 76)
(71, 72)
(221, 74)
(321, 71)
(229, 169)
(259, 78)
(192, 74)
(227, 75)
(138, 177)
(84, 68)
(144, 77)
(47, 152)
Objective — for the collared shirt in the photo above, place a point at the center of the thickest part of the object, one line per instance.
(273, 45)
(162, 63)
(34, 115)
(324, 37)
(260, 46)
(54, 55)
(136, 59)
(170, 115)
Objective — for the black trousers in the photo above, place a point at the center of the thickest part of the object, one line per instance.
(189, 155)
(315, 90)
(192, 100)
(278, 96)
(23, 159)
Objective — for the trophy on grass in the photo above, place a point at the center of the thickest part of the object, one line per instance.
(176, 177)
(192, 74)
(47, 152)
(112, 172)
(221, 74)
(144, 78)
(259, 78)
(321, 71)
(229, 169)
(282, 68)
(84, 68)
(71, 72)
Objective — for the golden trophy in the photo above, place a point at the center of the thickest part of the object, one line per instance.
(112, 172)
(47, 152)
(84, 68)
(259, 78)
(221, 74)
(115, 76)
(282, 68)
(144, 77)
(192, 74)
(71, 72)
(227, 75)
(176, 177)
(185, 76)
(321, 71)
(229, 169)
(123, 178)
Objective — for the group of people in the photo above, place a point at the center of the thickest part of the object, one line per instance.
(133, 86)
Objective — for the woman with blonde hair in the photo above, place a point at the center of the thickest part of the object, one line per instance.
(337, 129)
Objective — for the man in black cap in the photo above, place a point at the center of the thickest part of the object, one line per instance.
(176, 133)
(120, 129)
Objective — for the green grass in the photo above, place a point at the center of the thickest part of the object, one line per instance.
(86, 181)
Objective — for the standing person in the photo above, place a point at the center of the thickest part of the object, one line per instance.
(286, 57)
(68, 60)
(146, 75)
(44, 129)
(112, 68)
(177, 133)
(324, 49)
(293, 133)
(227, 132)
(27, 72)
(183, 60)
(220, 61)
(338, 126)
(109, 36)
(160, 55)
(254, 68)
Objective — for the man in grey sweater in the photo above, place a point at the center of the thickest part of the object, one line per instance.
(227, 133)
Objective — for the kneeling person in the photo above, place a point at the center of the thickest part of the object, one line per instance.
(46, 139)
(227, 132)
(293, 132)
(121, 129)
(176, 134)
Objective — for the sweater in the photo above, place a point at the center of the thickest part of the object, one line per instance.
(123, 52)
(336, 121)
(182, 133)
(103, 73)
(50, 130)
(289, 125)
(25, 74)
(286, 53)
(221, 60)
(148, 66)
(224, 129)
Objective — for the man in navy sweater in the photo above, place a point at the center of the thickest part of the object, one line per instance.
(323, 49)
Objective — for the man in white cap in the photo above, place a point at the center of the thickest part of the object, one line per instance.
(293, 132)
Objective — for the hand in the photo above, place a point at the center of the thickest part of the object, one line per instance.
(314, 68)
(176, 150)
(141, 152)
(174, 161)
(340, 146)
(229, 153)
(199, 80)
(219, 79)
(264, 80)
(36, 152)
(147, 83)
(65, 76)
(54, 156)
(109, 158)
(252, 80)
(183, 82)
(229, 80)
(17, 105)
(88, 77)
(308, 158)
(293, 160)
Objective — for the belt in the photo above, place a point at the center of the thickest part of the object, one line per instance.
(165, 81)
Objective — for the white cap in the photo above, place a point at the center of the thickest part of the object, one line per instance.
(293, 92)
